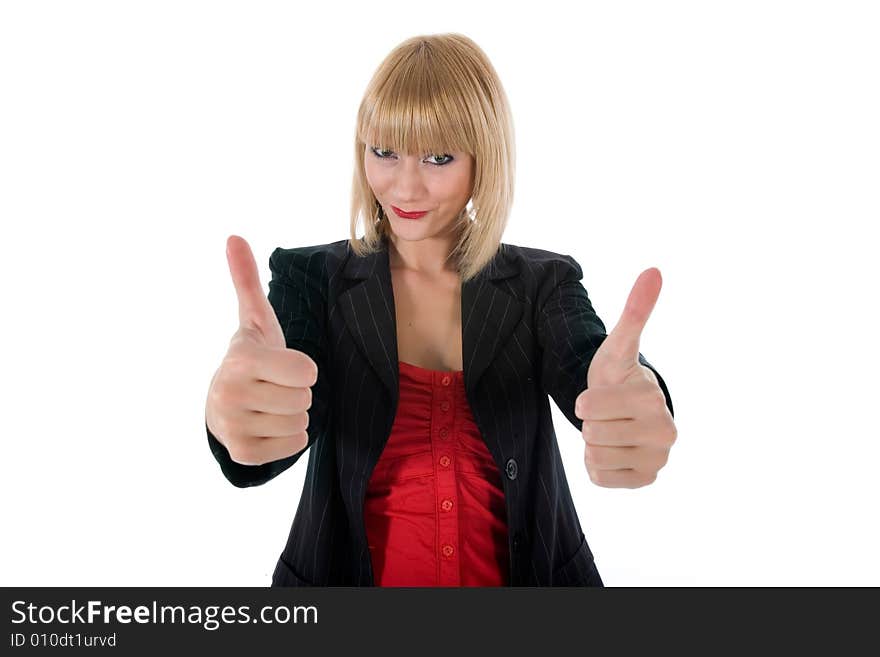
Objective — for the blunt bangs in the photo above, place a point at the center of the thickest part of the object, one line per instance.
(416, 114)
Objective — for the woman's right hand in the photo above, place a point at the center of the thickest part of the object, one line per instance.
(259, 397)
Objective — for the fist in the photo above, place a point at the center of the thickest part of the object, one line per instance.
(627, 428)
(259, 397)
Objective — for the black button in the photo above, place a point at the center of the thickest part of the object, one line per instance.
(516, 543)
(511, 468)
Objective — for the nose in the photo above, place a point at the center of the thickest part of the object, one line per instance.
(408, 183)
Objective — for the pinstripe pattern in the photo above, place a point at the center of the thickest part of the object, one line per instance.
(528, 331)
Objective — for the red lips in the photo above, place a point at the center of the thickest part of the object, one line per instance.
(408, 215)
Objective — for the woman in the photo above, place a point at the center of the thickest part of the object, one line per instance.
(414, 364)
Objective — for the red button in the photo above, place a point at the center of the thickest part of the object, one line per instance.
(444, 461)
(448, 550)
(444, 432)
(445, 406)
(445, 380)
(446, 505)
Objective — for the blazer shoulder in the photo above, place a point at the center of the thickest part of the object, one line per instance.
(543, 265)
(308, 259)
(308, 268)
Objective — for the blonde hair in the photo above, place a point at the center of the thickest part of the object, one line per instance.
(433, 94)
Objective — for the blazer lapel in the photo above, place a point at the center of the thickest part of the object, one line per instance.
(489, 313)
(368, 309)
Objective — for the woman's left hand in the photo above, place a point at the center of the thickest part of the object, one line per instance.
(627, 427)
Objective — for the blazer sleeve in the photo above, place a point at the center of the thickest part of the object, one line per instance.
(298, 295)
(569, 334)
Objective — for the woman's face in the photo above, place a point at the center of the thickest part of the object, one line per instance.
(440, 183)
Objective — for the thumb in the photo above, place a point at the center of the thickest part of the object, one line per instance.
(254, 310)
(618, 354)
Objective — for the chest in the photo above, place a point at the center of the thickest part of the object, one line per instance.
(428, 318)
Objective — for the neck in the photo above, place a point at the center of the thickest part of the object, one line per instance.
(428, 256)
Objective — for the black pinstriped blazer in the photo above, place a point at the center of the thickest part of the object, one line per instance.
(528, 330)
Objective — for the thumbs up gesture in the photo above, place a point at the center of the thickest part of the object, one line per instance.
(259, 397)
(627, 427)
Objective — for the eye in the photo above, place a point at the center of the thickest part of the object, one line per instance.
(440, 164)
(376, 151)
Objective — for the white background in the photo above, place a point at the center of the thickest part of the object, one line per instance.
(733, 145)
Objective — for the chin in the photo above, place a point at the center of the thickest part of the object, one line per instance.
(419, 229)
(404, 228)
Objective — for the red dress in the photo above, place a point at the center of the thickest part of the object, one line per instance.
(434, 509)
